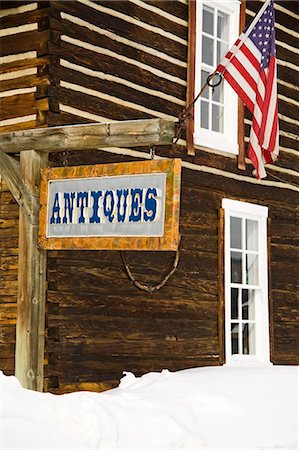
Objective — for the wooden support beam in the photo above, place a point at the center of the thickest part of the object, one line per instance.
(29, 355)
(131, 133)
(191, 75)
(241, 107)
(10, 172)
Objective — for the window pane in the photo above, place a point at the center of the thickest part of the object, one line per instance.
(234, 303)
(222, 49)
(218, 93)
(251, 235)
(248, 304)
(222, 25)
(204, 76)
(236, 267)
(235, 232)
(208, 20)
(217, 118)
(235, 338)
(248, 339)
(207, 50)
(252, 269)
(204, 114)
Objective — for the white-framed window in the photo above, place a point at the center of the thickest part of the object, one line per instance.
(216, 112)
(246, 282)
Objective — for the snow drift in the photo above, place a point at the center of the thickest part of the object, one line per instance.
(205, 408)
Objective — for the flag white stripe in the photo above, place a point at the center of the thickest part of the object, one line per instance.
(253, 49)
(261, 88)
(242, 82)
(257, 150)
(270, 118)
(246, 63)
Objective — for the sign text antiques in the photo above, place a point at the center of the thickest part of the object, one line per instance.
(125, 206)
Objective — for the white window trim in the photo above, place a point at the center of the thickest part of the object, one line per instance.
(259, 213)
(227, 141)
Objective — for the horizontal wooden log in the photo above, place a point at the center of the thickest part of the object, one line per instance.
(7, 365)
(151, 17)
(58, 119)
(23, 82)
(22, 64)
(23, 42)
(17, 105)
(121, 28)
(18, 127)
(90, 386)
(18, 19)
(122, 69)
(85, 137)
(178, 9)
(85, 35)
(122, 92)
(95, 105)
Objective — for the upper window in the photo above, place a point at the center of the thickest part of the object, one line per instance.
(215, 113)
(246, 282)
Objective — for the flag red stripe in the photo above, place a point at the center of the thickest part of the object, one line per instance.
(253, 158)
(239, 90)
(239, 66)
(250, 56)
(274, 131)
(267, 101)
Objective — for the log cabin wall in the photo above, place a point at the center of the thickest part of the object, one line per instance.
(118, 60)
(9, 215)
(127, 60)
(24, 65)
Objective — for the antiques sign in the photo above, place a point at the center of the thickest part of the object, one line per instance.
(125, 206)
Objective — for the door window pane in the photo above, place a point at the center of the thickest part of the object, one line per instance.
(248, 338)
(208, 20)
(252, 269)
(234, 303)
(204, 114)
(236, 232)
(236, 267)
(235, 338)
(251, 235)
(207, 50)
(222, 25)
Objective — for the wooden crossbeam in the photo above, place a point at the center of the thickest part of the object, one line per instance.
(10, 172)
(130, 133)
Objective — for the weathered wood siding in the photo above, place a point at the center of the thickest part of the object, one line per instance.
(24, 61)
(9, 214)
(116, 60)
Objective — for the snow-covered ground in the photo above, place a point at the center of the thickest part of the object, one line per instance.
(205, 408)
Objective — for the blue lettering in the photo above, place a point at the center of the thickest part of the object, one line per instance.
(96, 196)
(137, 195)
(150, 204)
(68, 206)
(122, 194)
(108, 205)
(56, 210)
(82, 197)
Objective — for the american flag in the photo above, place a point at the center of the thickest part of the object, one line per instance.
(250, 68)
